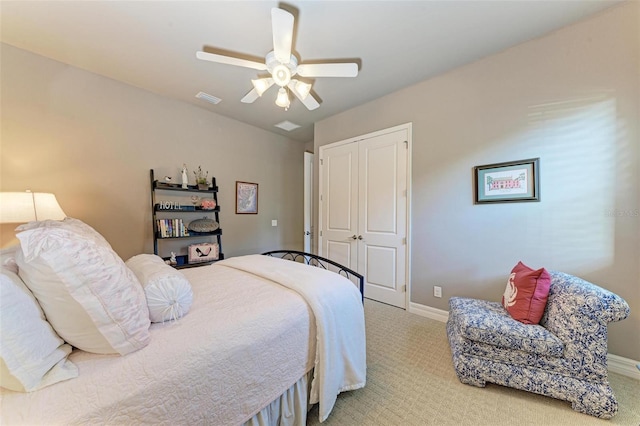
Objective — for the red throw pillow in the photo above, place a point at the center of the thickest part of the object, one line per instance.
(526, 294)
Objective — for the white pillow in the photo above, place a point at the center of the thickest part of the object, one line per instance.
(32, 355)
(69, 223)
(8, 258)
(89, 296)
(169, 294)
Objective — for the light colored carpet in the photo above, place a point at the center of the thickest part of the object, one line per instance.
(411, 381)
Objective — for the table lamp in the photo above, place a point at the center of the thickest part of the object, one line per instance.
(22, 207)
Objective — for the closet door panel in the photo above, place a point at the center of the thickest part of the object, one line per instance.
(340, 204)
(382, 216)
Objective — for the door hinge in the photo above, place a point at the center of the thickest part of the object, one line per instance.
(321, 233)
(403, 288)
(404, 241)
(321, 161)
(406, 144)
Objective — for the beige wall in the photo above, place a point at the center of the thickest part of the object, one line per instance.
(92, 140)
(570, 98)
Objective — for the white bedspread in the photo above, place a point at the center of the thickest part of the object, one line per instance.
(244, 342)
(340, 362)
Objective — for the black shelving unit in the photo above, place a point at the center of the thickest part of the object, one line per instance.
(183, 210)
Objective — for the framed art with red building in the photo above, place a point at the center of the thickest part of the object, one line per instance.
(512, 181)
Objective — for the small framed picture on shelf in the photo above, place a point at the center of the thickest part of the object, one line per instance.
(204, 252)
(246, 198)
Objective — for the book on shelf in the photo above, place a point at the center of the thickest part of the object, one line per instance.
(168, 228)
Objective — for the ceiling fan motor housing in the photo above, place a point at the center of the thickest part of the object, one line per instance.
(280, 72)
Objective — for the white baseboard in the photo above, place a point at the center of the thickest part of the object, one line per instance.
(429, 312)
(625, 366)
(617, 364)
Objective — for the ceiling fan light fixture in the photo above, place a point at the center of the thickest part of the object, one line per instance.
(283, 98)
(283, 66)
(281, 75)
(302, 89)
(262, 84)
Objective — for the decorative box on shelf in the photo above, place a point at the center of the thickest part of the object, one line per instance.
(205, 252)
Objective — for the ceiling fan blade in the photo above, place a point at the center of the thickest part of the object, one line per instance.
(282, 28)
(250, 97)
(309, 101)
(230, 60)
(328, 70)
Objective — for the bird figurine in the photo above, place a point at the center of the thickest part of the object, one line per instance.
(168, 179)
(185, 179)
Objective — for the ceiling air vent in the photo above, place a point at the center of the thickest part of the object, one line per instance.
(287, 125)
(209, 98)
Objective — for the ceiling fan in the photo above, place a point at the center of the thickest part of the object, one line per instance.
(282, 65)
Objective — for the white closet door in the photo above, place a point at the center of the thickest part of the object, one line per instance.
(382, 203)
(340, 204)
(363, 223)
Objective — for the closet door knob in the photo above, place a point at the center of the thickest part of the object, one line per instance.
(353, 237)
(359, 237)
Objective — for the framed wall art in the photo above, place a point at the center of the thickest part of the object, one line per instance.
(246, 198)
(511, 181)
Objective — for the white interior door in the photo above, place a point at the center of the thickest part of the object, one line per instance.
(382, 218)
(339, 201)
(308, 202)
(364, 209)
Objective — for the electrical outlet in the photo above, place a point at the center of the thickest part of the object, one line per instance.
(437, 291)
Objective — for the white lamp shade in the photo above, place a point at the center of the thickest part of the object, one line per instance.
(302, 89)
(261, 85)
(283, 99)
(22, 207)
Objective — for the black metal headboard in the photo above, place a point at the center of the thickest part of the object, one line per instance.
(319, 261)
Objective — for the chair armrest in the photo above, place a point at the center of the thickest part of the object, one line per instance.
(578, 313)
(591, 301)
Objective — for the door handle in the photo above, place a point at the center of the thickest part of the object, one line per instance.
(353, 237)
(307, 233)
(360, 237)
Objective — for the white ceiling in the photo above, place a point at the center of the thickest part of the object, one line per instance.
(152, 44)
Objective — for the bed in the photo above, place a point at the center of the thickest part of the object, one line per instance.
(263, 339)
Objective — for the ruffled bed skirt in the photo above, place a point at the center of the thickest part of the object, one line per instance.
(289, 409)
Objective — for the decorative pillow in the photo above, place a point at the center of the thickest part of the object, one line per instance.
(525, 296)
(89, 296)
(169, 294)
(32, 355)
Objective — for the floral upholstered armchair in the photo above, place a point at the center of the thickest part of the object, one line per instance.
(564, 357)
